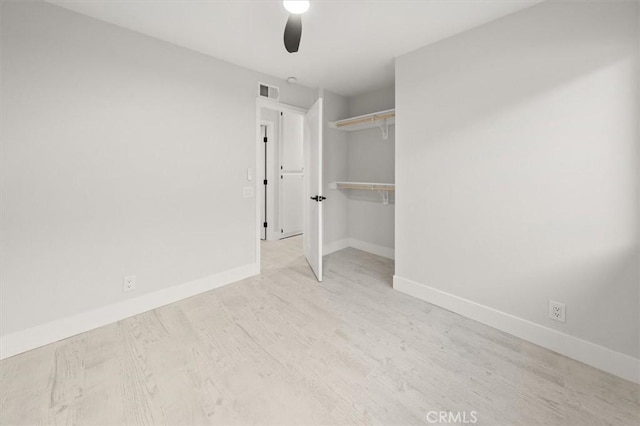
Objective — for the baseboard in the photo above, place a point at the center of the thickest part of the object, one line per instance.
(335, 246)
(31, 338)
(289, 235)
(338, 245)
(383, 251)
(597, 356)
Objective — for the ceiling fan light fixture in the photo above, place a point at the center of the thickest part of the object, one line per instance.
(296, 7)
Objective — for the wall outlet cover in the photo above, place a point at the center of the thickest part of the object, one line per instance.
(129, 283)
(557, 311)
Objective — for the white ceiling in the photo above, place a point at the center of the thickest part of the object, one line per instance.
(347, 46)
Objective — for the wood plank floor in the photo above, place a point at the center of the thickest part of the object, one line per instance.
(281, 348)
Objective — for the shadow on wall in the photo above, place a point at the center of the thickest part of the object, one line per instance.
(524, 58)
(622, 268)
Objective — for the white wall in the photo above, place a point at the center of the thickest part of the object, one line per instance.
(371, 159)
(121, 154)
(517, 172)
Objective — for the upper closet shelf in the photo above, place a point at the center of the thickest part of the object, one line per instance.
(381, 119)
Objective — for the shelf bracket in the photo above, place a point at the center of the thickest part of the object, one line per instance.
(384, 127)
(385, 197)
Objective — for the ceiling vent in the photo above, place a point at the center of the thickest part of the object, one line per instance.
(267, 91)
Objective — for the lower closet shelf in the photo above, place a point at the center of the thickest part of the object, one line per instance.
(382, 188)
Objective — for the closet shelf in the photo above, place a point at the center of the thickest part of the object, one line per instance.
(381, 119)
(371, 186)
(383, 188)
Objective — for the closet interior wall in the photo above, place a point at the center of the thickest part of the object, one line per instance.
(335, 167)
(371, 159)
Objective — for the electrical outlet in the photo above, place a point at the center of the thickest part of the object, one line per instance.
(129, 283)
(557, 311)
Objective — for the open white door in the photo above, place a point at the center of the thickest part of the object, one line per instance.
(313, 188)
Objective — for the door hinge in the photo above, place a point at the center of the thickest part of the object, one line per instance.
(264, 182)
(264, 224)
(264, 140)
(282, 231)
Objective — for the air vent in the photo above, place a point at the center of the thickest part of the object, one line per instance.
(267, 91)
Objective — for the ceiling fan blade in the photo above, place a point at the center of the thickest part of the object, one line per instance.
(293, 33)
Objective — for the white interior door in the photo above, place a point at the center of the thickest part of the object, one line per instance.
(291, 203)
(312, 234)
(291, 173)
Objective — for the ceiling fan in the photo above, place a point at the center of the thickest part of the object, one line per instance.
(293, 28)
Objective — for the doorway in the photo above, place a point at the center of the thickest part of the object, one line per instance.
(280, 173)
(289, 171)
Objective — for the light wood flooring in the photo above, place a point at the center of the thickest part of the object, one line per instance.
(281, 348)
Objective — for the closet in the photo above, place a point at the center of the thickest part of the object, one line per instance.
(370, 179)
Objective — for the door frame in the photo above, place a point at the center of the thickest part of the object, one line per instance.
(277, 106)
(265, 150)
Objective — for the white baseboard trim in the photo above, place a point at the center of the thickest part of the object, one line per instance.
(338, 245)
(597, 356)
(335, 246)
(383, 251)
(31, 338)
